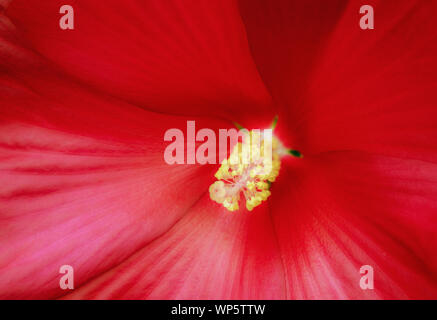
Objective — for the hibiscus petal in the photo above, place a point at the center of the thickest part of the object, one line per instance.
(343, 210)
(344, 88)
(181, 57)
(84, 178)
(4, 4)
(209, 254)
(384, 90)
(286, 37)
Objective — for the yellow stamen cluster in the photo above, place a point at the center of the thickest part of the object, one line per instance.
(247, 171)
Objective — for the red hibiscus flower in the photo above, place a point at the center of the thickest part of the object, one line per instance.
(83, 114)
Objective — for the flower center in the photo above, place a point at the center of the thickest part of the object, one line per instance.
(250, 169)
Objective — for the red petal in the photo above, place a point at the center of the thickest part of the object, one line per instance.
(209, 254)
(345, 210)
(347, 88)
(182, 58)
(285, 38)
(4, 4)
(86, 182)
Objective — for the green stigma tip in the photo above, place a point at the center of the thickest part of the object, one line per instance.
(295, 153)
(239, 126)
(274, 122)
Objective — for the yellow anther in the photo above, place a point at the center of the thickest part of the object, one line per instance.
(262, 185)
(250, 185)
(217, 191)
(247, 171)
